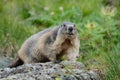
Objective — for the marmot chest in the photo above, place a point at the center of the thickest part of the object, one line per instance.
(66, 44)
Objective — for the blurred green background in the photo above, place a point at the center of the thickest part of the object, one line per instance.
(98, 23)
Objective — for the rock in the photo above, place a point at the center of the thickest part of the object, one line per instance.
(66, 70)
(4, 61)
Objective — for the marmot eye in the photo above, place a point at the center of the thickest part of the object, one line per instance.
(64, 25)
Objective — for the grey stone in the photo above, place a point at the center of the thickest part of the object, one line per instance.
(66, 70)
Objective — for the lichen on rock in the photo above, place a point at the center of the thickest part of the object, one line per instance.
(65, 70)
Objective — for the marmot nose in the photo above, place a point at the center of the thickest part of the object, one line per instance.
(70, 29)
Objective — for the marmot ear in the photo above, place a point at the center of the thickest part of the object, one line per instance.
(74, 25)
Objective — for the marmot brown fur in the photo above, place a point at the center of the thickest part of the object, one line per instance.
(50, 45)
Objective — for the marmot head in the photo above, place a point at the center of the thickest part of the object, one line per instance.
(68, 29)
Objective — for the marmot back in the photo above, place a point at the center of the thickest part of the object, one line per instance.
(50, 45)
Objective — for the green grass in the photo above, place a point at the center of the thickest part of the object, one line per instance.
(113, 64)
(97, 23)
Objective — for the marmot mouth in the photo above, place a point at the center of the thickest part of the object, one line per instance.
(69, 33)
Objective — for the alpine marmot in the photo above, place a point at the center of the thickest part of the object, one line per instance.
(50, 45)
